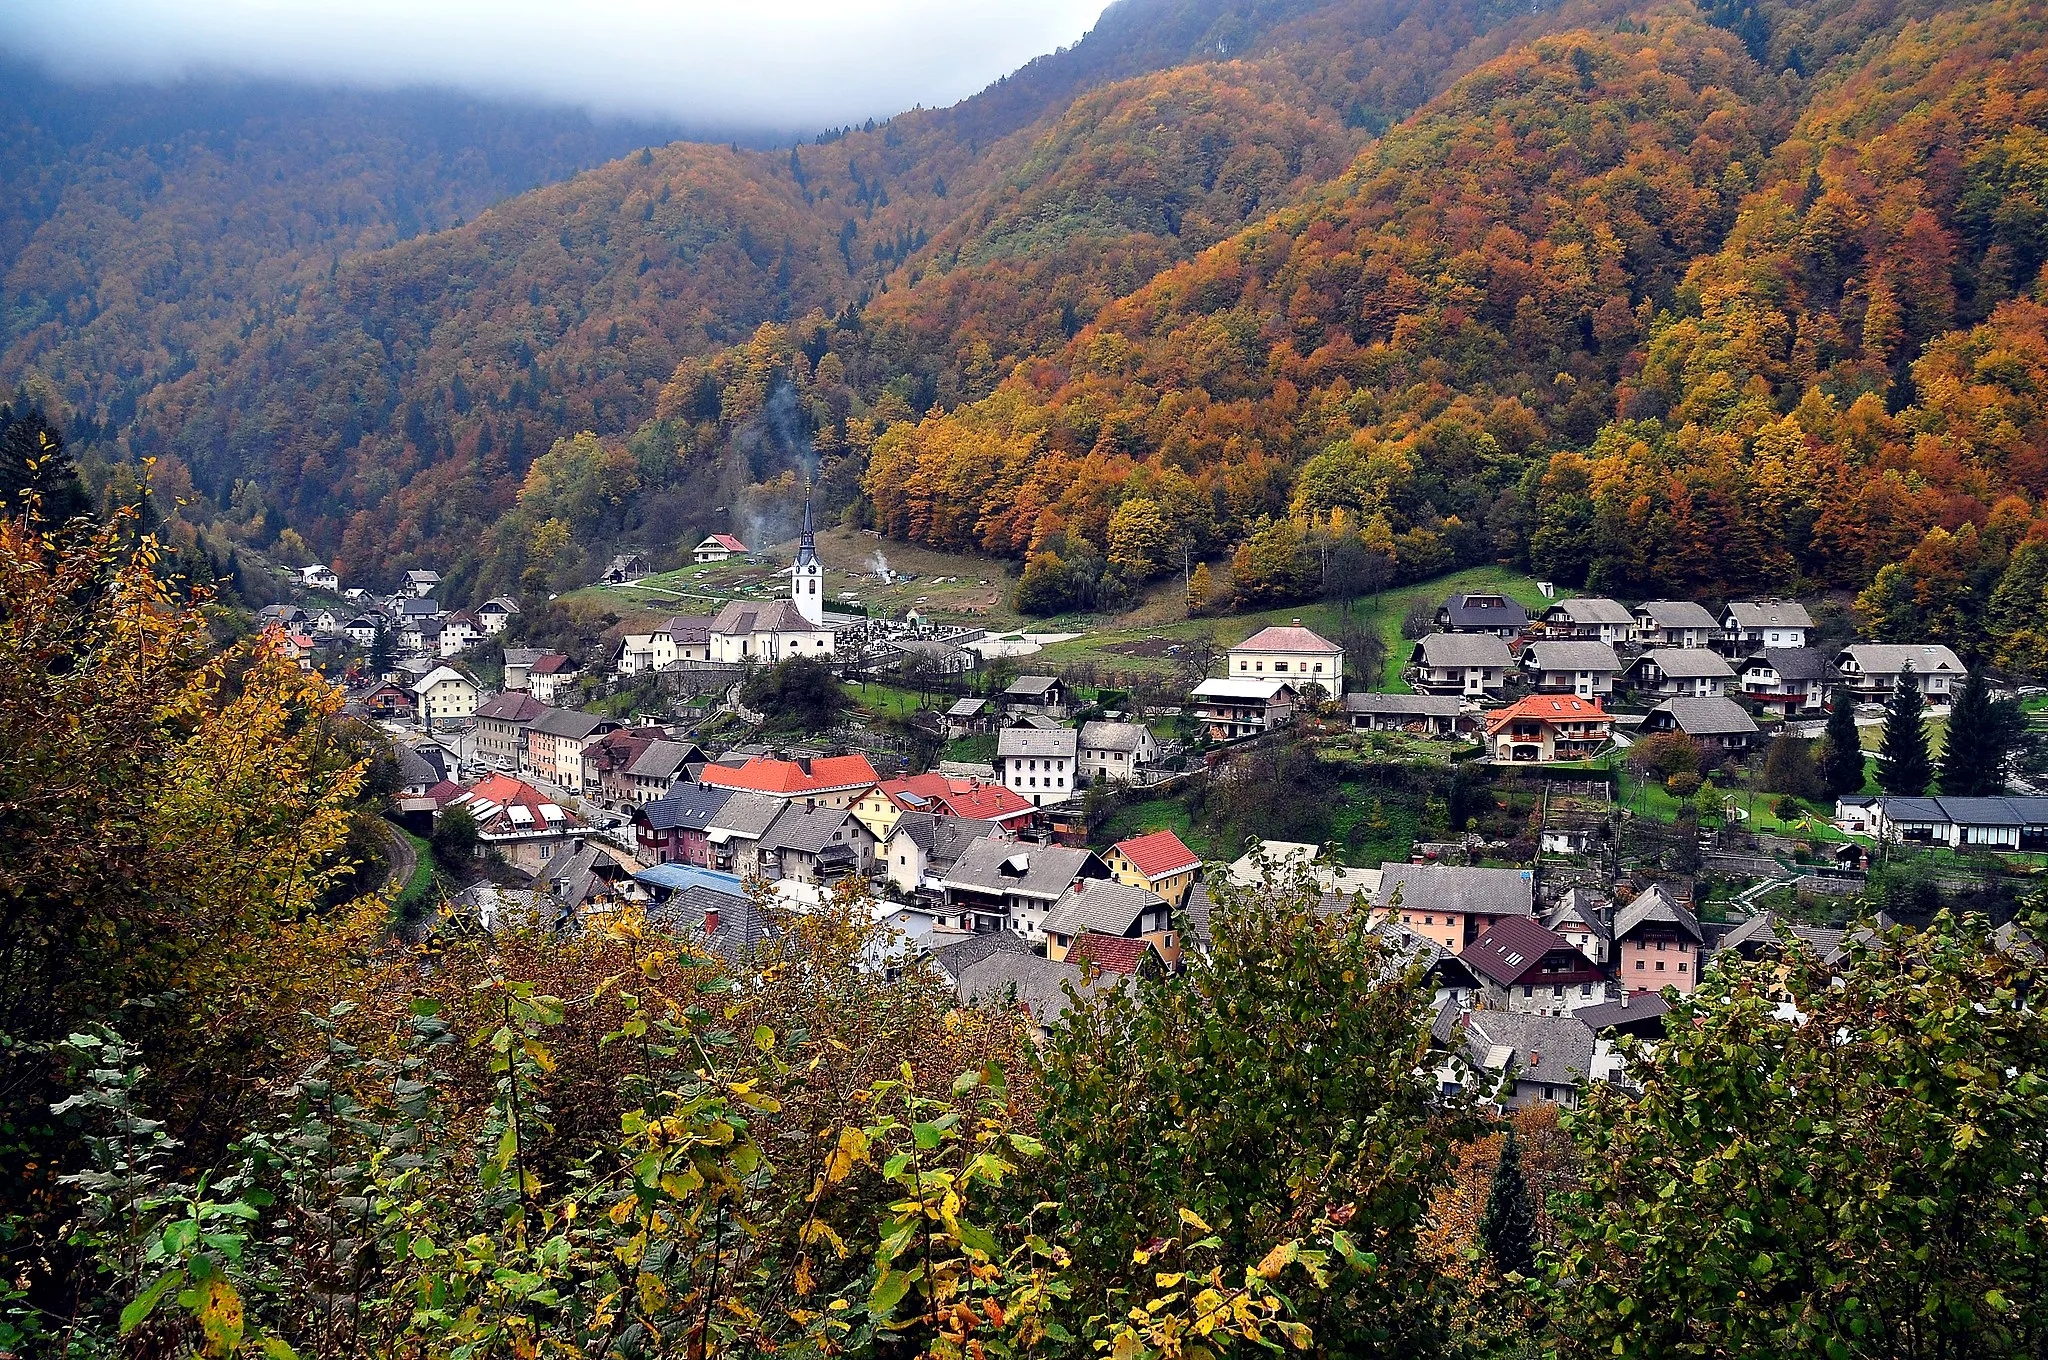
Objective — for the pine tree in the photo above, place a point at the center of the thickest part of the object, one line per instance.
(382, 653)
(33, 459)
(1509, 1225)
(1903, 765)
(1970, 758)
(1841, 768)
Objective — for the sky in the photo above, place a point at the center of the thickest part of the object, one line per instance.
(783, 64)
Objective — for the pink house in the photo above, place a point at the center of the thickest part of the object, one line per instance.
(673, 829)
(1657, 943)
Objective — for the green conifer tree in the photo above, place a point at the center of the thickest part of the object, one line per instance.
(1973, 754)
(1842, 764)
(1509, 1225)
(1903, 765)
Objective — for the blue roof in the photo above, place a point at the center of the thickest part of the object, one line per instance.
(675, 877)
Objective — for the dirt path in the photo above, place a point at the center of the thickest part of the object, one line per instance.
(405, 858)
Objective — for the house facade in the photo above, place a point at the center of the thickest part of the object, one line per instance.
(1586, 669)
(1294, 654)
(1242, 708)
(445, 694)
(1675, 672)
(1751, 625)
(501, 723)
(1719, 726)
(1157, 862)
(1040, 765)
(717, 548)
(1521, 965)
(1595, 619)
(1787, 680)
(1675, 623)
(1540, 728)
(1871, 670)
(1116, 750)
(1452, 905)
(1481, 612)
(1475, 665)
(1657, 943)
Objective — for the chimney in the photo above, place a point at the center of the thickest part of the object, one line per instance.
(1080, 885)
(1296, 623)
(710, 920)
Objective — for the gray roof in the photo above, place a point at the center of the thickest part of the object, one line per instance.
(523, 656)
(1463, 649)
(1100, 904)
(419, 609)
(955, 958)
(1594, 610)
(1451, 887)
(565, 722)
(967, 708)
(1688, 663)
(691, 806)
(1112, 736)
(1637, 1009)
(811, 830)
(1037, 741)
(1708, 716)
(1677, 614)
(1887, 658)
(1581, 906)
(739, 618)
(1196, 911)
(1655, 906)
(746, 814)
(1032, 686)
(1460, 612)
(1762, 931)
(998, 866)
(413, 767)
(661, 760)
(1038, 983)
(1571, 656)
(1553, 1049)
(1769, 614)
(1996, 811)
(1406, 949)
(1405, 705)
(1796, 663)
(942, 839)
(742, 926)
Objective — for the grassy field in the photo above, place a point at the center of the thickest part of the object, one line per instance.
(1145, 647)
(885, 701)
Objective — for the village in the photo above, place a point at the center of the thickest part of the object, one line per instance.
(1021, 830)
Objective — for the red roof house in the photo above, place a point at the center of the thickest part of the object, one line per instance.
(974, 799)
(834, 780)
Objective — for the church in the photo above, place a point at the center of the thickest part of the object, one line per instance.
(763, 633)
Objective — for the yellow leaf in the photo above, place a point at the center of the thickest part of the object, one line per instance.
(852, 1149)
(219, 1310)
(653, 1293)
(1194, 1220)
(1278, 1259)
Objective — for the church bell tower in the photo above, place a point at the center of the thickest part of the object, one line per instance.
(807, 574)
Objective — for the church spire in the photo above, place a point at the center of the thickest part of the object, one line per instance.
(807, 573)
(807, 547)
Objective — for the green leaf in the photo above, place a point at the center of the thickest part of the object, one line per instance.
(966, 1082)
(927, 1135)
(764, 1038)
(894, 1166)
(136, 1313)
(889, 1291)
(1027, 1145)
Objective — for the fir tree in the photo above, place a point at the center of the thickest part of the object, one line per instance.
(1841, 769)
(33, 459)
(1972, 757)
(1903, 765)
(382, 654)
(1509, 1225)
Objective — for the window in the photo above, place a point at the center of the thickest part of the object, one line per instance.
(1279, 665)
(1639, 965)
(1660, 965)
(1528, 991)
(1681, 967)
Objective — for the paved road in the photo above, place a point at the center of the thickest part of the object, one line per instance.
(404, 857)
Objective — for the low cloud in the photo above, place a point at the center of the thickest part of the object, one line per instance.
(784, 64)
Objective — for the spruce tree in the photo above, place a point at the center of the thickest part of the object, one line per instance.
(1842, 767)
(1509, 1225)
(33, 460)
(1903, 765)
(382, 654)
(1974, 752)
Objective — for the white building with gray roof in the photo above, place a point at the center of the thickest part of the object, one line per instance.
(1041, 764)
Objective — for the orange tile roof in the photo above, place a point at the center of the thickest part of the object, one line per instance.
(1110, 953)
(976, 799)
(1159, 854)
(1547, 708)
(791, 778)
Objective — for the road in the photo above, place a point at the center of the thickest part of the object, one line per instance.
(404, 857)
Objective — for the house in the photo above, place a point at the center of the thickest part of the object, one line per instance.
(1720, 726)
(1751, 625)
(459, 632)
(1523, 965)
(1675, 672)
(1596, 619)
(673, 829)
(1294, 654)
(1581, 918)
(966, 718)
(920, 848)
(1640, 1016)
(1540, 728)
(1011, 885)
(1480, 612)
(1157, 862)
(1242, 708)
(1037, 763)
(552, 677)
(607, 760)
(625, 569)
(285, 616)
(1586, 669)
(750, 632)
(1474, 664)
(1116, 750)
(501, 723)
(445, 694)
(386, 700)
(517, 819)
(1536, 1058)
(583, 880)
(1421, 715)
(319, 578)
(2009, 823)
(1675, 623)
(496, 614)
(519, 666)
(1871, 670)
(818, 845)
(362, 630)
(969, 797)
(1045, 695)
(1107, 907)
(554, 745)
(1452, 904)
(1121, 956)
(419, 625)
(1038, 986)
(689, 638)
(717, 548)
(1657, 943)
(660, 767)
(641, 652)
(733, 833)
(1443, 972)
(827, 781)
(1788, 679)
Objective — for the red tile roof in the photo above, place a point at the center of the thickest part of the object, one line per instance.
(1291, 639)
(1512, 948)
(976, 799)
(492, 800)
(552, 664)
(1110, 953)
(729, 542)
(1548, 708)
(514, 705)
(1159, 854)
(792, 778)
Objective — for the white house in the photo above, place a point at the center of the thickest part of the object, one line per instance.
(362, 629)
(718, 548)
(1596, 619)
(1586, 669)
(1476, 664)
(1293, 654)
(422, 583)
(494, 614)
(1675, 623)
(319, 578)
(459, 632)
(445, 694)
(1116, 750)
(1038, 763)
(746, 632)
(1750, 624)
(1871, 669)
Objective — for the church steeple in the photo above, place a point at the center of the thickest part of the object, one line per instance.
(807, 547)
(807, 573)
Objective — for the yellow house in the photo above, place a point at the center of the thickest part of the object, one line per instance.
(877, 811)
(1158, 863)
